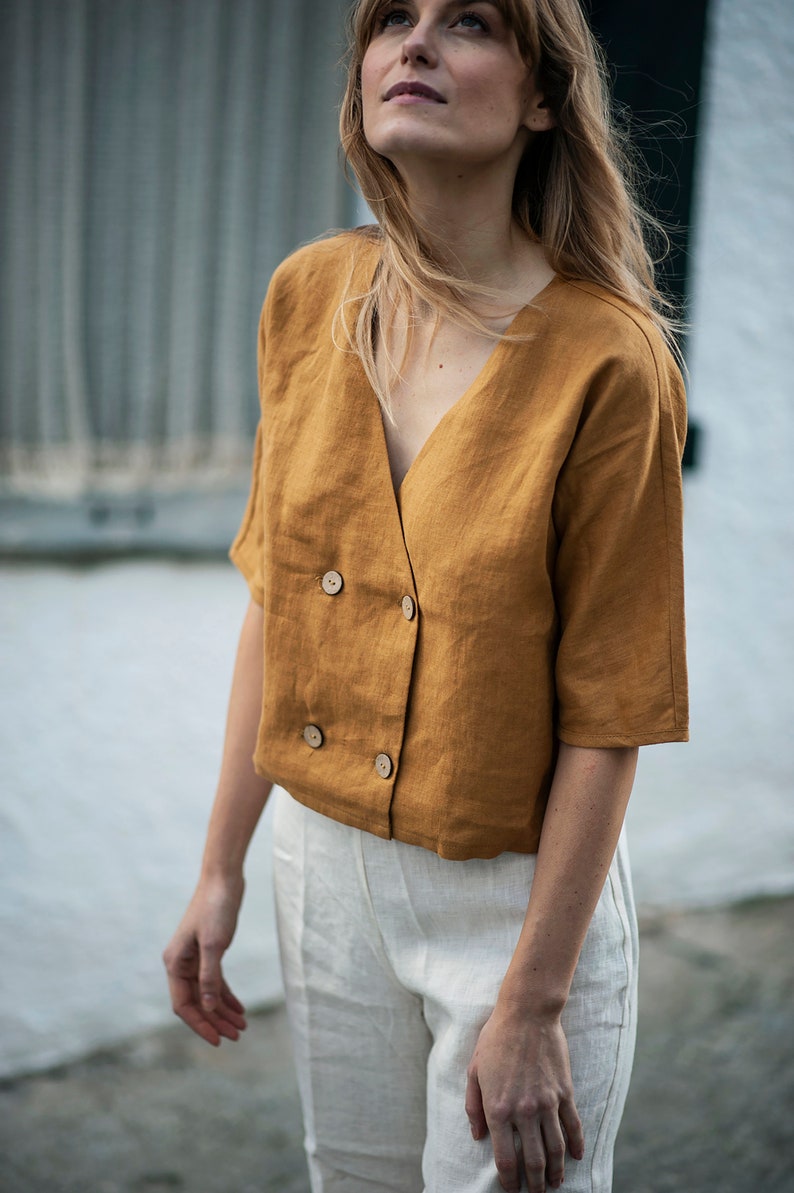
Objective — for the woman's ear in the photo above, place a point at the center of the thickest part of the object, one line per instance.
(539, 118)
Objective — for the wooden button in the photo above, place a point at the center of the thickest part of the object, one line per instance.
(409, 608)
(384, 765)
(313, 736)
(332, 583)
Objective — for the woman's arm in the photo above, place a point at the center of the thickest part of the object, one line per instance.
(199, 994)
(519, 1077)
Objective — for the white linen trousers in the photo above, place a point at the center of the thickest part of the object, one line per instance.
(392, 959)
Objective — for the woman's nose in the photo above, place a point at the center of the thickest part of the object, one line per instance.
(418, 46)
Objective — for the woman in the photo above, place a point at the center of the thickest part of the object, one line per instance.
(463, 545)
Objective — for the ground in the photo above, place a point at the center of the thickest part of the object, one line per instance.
(711, 1106)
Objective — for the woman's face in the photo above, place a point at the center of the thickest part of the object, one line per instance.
(444, 82)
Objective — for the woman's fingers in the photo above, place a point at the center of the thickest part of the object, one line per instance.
(230, 1000)
(533, 1156)
(519, 1090)
(505, 1155)
(225, 1022)
(200, 996)
(228, 1013)
(185, 1005)
(527, 1154)
(199, 1023)
(474, 1107)
(209, 975)
(218, 1003)
(535, 1151)
(553, 1144)
(224, 1027)
(572, 1125)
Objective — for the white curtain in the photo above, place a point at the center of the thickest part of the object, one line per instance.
(159, 158)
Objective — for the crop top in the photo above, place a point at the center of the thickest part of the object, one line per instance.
(425, 653)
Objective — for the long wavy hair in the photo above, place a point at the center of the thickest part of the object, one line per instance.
(575, 190)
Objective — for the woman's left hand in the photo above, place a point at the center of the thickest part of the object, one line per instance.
(519, 1081)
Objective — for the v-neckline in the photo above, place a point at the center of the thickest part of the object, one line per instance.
(477, 383)
(367, 273)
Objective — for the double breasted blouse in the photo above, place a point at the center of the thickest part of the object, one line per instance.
(426, 652)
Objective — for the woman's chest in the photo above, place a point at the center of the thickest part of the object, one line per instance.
(437, 373)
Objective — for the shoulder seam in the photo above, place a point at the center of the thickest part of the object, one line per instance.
(622, 307)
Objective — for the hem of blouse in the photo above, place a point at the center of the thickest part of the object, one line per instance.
(327, 808)
(450, 851)
(651, 737)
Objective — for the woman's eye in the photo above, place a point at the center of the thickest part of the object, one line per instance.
(470, 20)
(395, 17)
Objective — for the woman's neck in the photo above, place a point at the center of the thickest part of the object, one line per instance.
(469, 226)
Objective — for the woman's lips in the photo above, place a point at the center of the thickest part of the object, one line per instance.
(413, 93)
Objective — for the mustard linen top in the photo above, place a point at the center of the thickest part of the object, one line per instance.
(424, 654)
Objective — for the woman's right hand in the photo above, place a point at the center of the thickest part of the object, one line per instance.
(199, 993)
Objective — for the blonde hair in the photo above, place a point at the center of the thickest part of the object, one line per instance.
(574, 192)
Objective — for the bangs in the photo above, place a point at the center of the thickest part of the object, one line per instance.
(519, 15)
(364, 17)
(522, 18)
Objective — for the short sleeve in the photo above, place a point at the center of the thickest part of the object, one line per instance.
(618, 512)
(246, 550)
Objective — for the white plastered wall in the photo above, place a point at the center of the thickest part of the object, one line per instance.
(112, 711)
(715, 820)
(114, 679)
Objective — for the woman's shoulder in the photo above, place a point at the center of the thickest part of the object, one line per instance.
(621, 350)
(324, 266)
(610, 326)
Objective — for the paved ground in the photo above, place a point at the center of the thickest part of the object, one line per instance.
(711, 1108)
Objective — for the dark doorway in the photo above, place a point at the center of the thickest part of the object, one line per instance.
(656, 54)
